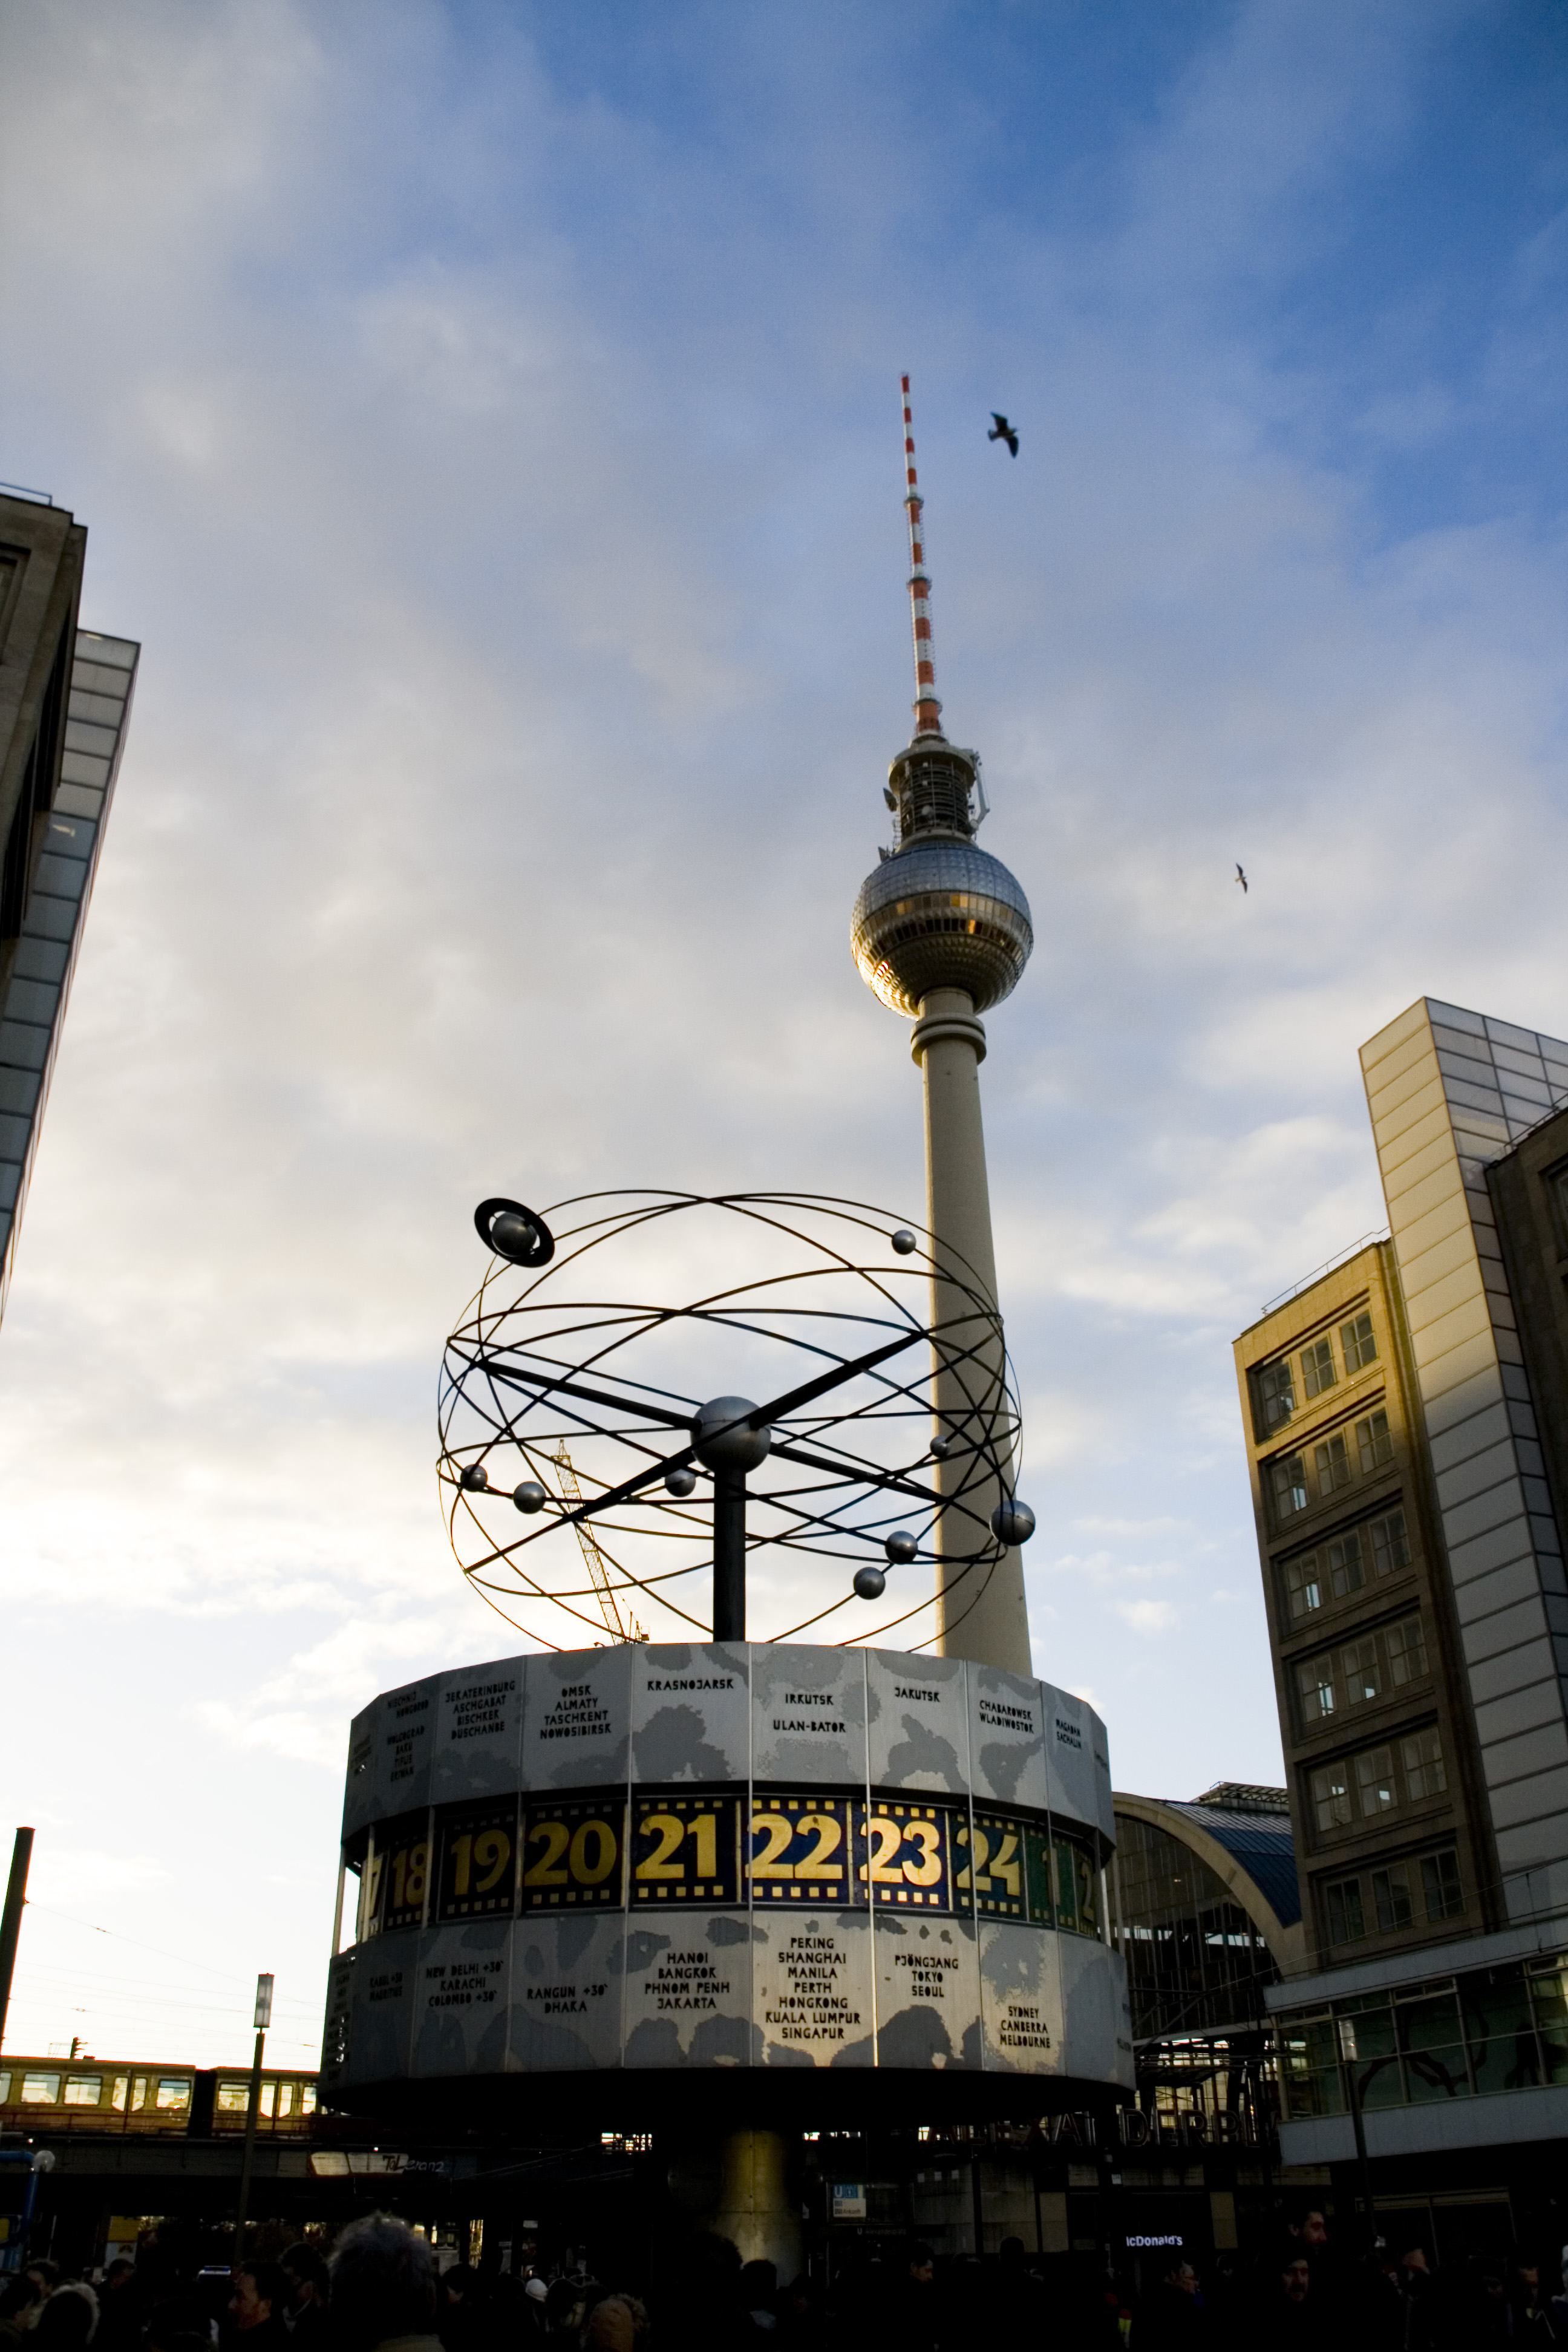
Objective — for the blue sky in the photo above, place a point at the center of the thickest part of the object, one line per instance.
(485, 417)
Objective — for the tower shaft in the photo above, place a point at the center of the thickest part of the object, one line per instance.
(928, 710)
(981, 1616)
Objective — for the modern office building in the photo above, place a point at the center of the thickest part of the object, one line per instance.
(65, 697)
(1404, 1413)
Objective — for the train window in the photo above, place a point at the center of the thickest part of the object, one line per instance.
(285, 2097)
(232, 2098)
(40, 2090)
(118, 2096)
(268, 2093)
(173, 2091)
(83, 2090)
(4, 2089)
(307, 2098)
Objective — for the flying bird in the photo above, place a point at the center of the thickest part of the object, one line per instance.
(1001, 431)
(1241, 878)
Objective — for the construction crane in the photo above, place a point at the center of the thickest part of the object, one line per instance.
(619, 1629)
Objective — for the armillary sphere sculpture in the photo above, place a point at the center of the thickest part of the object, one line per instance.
(567, 1404)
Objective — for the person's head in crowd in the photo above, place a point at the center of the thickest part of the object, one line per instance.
(537, 2290)
(383, 2277)
(68, 2318)
(306, 2271)
(617, 2322)
(920, 2265)
(1308, 2225)
(1295, 2277)
(19, 2295)
(261, 2293)
(759, 2286)
(44, 2273)
(456, 2284)
(121, 2271)
(1181, 2277)
(1412, 2259)
(1011, 2253)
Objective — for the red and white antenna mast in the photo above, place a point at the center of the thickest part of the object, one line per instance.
(928, 710)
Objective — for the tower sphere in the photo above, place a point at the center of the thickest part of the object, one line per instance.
(721, 1439)
(940, 913)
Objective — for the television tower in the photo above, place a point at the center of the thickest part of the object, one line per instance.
(942, 931)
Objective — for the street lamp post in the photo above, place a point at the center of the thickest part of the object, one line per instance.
(263, 2020)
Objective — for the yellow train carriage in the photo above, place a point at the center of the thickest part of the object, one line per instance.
(47, 2095)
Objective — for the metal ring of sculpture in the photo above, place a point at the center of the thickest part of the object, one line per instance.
(566, 1405)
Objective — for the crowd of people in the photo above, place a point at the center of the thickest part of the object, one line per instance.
(1307, 2292)
(380, 2289)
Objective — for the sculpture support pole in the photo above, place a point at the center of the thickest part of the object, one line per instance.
(729, 1555)
(983, 1619)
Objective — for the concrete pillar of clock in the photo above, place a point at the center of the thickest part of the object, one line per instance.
(982, 1618)
(755, 2211)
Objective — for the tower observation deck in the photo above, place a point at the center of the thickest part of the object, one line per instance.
(942, 932)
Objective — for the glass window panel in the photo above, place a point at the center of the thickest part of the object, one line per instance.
(1346, 1923)
(1288, 1478)
(1315, 1681)
(1549, 2000)
(1361, 1671)
(1331, 1797)
(83, 2090)
(1276, 1394)
(308, 2099)
(1310, 2073)
(173, 2092)
(1302, 1589)
(1375, 1442)
(1317, 1371)
(1390, 1543)
(1500, 2032)
(1391, 1894)
(1406, 1646)
(1373, 2049)
(1374, 1781)
(1346, 1570)
(1332, 1463)
(1422, 1757)
(1359, 1345)
(1429, 2035)
(232, 2098)
(40, 2090)
(4, 2086)
(120, 2094)
(1440, 1885)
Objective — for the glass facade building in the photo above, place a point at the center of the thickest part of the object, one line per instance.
(65, 698)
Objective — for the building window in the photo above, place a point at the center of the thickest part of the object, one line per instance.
(1331, 1796)
(1289, 1475)
(1345, 1571)
(1440, 1885)
(1375, 1443)
(1390, 1543)
(1301, 1587)
(1346, 1925)
(1332, 1463)
(1406, 1650)
(83, 2090)
(1356, 1339)
(1391, 1893)
(1362, 1671)
(1422, 1755)
(1317, 1371)
(1276, 1394)
(1315, 1681)
(1374, 1781)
